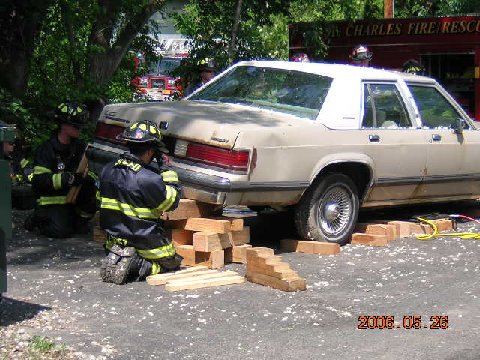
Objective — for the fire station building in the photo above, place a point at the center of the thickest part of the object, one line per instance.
(447, 47)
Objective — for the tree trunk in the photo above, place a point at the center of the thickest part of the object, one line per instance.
(232, 48)
(19, 27)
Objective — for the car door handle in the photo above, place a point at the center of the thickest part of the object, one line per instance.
(436, 137)
(373, 138)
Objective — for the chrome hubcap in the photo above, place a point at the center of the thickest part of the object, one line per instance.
(334, 210)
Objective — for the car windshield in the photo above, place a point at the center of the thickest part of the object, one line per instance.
(158, 83)
(287, 91)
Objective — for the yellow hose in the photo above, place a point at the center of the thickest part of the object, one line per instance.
(461, 235)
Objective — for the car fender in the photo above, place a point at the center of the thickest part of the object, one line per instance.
(334, 162)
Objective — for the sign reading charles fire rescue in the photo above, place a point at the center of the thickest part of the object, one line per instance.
(432, 30)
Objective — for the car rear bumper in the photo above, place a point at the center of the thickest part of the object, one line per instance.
(211, 188)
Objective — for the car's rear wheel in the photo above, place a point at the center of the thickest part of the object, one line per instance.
(328, 210)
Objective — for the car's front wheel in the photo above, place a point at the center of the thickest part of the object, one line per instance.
(328, 210)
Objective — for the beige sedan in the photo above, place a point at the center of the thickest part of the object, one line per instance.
(323, 138)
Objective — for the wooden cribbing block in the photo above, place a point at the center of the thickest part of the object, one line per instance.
(207, 280)
(161, 279)
(368, 239)
(240, 237)
(311, 247)
(214, 259)
(403, 228)
(420, 229)
(325, 248)
(443, 224)
(292, 284)
(236, 224)
(99, 234)
(288, 245)
(181, 236)
(390, 231)
(256, 252)
(204, 241)
(188, 208)
(239, 253)
(208, 225)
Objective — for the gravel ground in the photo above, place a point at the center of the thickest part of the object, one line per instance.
(54, 292)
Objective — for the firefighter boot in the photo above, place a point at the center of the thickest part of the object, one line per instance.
(119, 264)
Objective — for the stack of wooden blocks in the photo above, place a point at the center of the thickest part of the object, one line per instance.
(264, 268)
(206, 240)
(380, 234)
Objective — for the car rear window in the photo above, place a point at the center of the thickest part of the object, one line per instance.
(287, 91)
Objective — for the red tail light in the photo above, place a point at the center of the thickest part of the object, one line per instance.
(213, 156)
(108, 131)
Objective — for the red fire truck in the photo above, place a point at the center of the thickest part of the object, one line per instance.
(447, 47)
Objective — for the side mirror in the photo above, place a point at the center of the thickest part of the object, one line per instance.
(459, 125)
(163, 125)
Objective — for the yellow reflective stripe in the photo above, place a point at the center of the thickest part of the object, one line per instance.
(51, 200)
(170, 197)
(158, 253)
(37, 170)
(113, 204)
(92, 175)
(156, 268)
(170, 176)
(23, 163)
(30, 177)
(57, 181)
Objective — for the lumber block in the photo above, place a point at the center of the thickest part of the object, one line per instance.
(369, 239)
(223, 278)
(420, 229)
(288, 245)
(181, 236)
(204, 241)
(390, 231)
(256, 252)
(208, 225)
(325, 248)
(443, 224)
(188, 254)
(161, 279)
(188, 208)
(236, 224)
(236, 254)
(99, 234)
(240, 237)
(311, 247)
(214, 259)
(305, 246)
(403, 228)
(293, 284)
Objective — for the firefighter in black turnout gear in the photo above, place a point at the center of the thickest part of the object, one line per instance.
(134, 194)
(54, 173)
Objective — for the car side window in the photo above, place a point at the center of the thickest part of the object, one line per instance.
(435, 110)
(383, 107)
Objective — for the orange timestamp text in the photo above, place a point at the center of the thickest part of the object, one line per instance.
(404, 322)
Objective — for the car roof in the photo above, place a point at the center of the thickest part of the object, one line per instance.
(339, 70)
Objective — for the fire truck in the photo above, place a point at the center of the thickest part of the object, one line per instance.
(448, 48)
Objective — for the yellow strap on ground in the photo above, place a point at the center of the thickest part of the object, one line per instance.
(461, 235)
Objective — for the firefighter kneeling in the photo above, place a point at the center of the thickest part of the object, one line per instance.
(134, 194)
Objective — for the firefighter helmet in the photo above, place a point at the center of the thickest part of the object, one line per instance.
(144, 131)
(72, 113)
(412, 66)
(206, 64)
(360, 53)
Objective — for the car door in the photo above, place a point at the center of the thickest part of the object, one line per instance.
(453, 166)
(392, 139)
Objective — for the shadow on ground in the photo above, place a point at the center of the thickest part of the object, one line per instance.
(14, 311)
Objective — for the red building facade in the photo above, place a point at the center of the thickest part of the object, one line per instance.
(447, 47)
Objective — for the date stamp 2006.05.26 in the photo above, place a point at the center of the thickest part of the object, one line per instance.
(435, 322)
